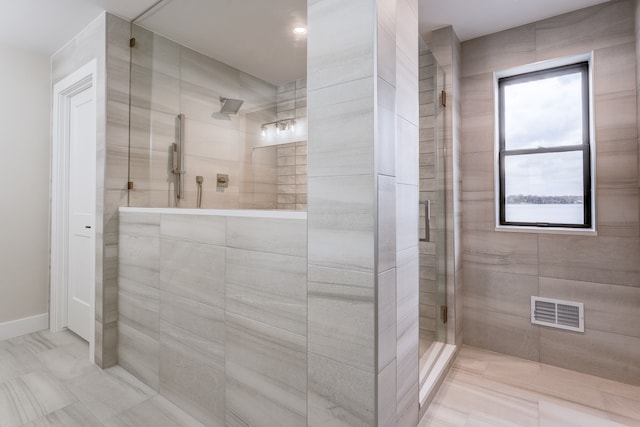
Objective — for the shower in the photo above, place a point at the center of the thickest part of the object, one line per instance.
(230, 106)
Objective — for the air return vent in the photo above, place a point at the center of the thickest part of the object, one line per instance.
(557, 314)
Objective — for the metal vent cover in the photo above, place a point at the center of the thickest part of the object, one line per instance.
(556, 313)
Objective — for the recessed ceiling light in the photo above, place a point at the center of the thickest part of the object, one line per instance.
(300, 30)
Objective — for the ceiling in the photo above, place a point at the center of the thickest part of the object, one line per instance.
(252, 35)
(482, 17)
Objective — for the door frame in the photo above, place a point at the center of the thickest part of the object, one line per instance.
(85, 78)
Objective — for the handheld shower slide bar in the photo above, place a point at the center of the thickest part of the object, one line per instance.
(178, 159)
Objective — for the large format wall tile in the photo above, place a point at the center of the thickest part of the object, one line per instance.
(332, 61)
(584, 30)
(349, 109)
(266, 367)
(598, 353)
(341, 323)
(506, 252)
(607, 308)
(202, 321)
(600, 270)
(286, 237)
(155, 52)
(339, 395)
(387, 319)
(611, 260)
(204, 229)
(190, 374)
(139, 354)
(341, 222)
(503, 333)
(387, 396)
(498, 291)
(194, 271)
(278, 299)
(386, 229)
(499, 51)
(614, 68)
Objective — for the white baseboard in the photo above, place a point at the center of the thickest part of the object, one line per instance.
(28, 325)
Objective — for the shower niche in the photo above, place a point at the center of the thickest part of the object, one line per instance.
(194, 118)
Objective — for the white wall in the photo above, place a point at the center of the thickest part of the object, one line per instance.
(24, 183)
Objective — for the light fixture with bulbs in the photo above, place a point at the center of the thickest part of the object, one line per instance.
(279, 126)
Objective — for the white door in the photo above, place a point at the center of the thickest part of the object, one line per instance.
(82, 204)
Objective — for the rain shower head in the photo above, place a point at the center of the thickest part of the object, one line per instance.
(230, 106)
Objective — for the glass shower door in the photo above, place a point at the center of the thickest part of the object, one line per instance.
(433, 266)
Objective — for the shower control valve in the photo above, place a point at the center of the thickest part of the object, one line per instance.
(223, 180)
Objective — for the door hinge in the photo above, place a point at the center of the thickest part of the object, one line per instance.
(130, 185)
(132, 42)
(444, 312)
(443, 98)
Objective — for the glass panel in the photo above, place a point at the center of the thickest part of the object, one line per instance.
(440, 211)
(433, 266)
(232, 124)
(544, 188)
(544, 113)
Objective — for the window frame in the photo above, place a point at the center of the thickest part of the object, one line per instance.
(586, 147)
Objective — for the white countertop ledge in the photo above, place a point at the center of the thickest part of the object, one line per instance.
(250, 213)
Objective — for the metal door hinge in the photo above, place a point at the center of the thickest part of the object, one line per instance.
(130, 185)
(444, 312)
(132, 42)
(443, 98)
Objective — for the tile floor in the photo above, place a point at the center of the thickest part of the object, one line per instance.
(46, 380)
(492, 390)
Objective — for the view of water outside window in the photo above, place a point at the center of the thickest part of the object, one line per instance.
(544, 187)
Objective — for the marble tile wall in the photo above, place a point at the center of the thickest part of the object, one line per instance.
(503, 269)
(168, 79)
(106, 39)
(363, 215)
(213, 314)
(341, 219)
(407, 212)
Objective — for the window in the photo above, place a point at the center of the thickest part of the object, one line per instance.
(544, 148)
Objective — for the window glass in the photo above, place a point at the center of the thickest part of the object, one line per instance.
(545, 187)
(543, 113)
(544, 159)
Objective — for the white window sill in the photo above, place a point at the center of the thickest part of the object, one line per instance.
(547, 230)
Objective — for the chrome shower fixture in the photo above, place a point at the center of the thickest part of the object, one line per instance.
(230, 106)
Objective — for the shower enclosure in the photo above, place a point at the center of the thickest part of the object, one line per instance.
(433, 266)
(205, 134)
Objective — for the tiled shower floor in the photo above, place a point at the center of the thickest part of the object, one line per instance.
(487, 389)
(46, 380)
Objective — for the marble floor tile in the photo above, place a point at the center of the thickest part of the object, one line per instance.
(110, 392)
(490, 389)
(74, 415)
(31, 396)
(560, 414)
(156, 412)
(46, 380)
(68, 361)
